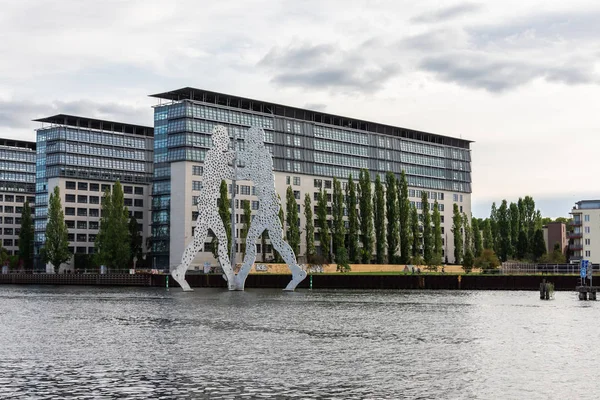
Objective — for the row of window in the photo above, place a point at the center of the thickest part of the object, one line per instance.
(97, 162)
(296, 180)
(341, 135)
(10, 220)
(11, 154)
(96, 187)
(17, 177)
(11, 209)
(17, 166)
(341, 159)
(95, 150)
(82, 199)
(91, 136)
(219, 114)
(345, 148)
(9, 198)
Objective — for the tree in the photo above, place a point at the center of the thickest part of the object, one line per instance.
(477, 245)
(353, 226)
(225, 213)
(337, 209)
(521, 250)
(391, 203)
(247, 221)
(487, 260)
(494, 228)
(404, 219)
(456, 231)
(468, 233)
(488, 240)
(323, 225)
(468, 261)
(529, 220)
(504, 232)
(292, 219)
(437, 235)
(539, 245)
(513, 212)
(56, 246)
(427, 234)
(366, 216)
(278, 258)
(310, 228)
(113, 243)
(416, 233)
(379, 217)
(135, 242)
(26, 237)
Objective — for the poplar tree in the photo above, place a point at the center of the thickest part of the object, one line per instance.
(26, 237)
(416, 234)
(468, 233)
(324, 236)
(488, 240)
(224, 206)
(292, 219)
(391, 204)
(310, 228)
(337, 209)
(494, 228)
(247, 221)
(504, 232)
(458, 237)
(404, 219)
(427, 237)
(56, 245)
(135, 241)
(513, 212)
(278, 258)
(437, 235)
(366, 216)
(477, 246)
(379, 217)
(353, 226)
(113, 243)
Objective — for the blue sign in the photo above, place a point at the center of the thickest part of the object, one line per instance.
(583, 268)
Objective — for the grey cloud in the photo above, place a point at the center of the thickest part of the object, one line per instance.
(18, 114)
(433, 40)
(477, 71)
(294, 57)
(447, 13)
(315, 106)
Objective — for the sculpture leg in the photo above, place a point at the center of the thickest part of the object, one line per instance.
(253, 234)
(219, 231)
(178, 273)
(286, 252)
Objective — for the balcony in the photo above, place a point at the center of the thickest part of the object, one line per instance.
(575, 235)
(575, 223)
(575, 247)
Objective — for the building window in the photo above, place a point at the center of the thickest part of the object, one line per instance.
(8, 231)
(94, 225)
(128, 189)
(461, 208)
(94, 187)
(139, 190)
(297, 194)
(297, 181)
(94, 212)
(70, 185)
(69, 210)
(587, 229)
(70, 224)
(69, 198)
(246, 190)
(105, 187)
(82, 199)
(318, 183)
(81, 224)
(71, 237)
(138, 215)
(82, 212)
(94, 200)
(587, 242)
(82, 186)
(327, 184)
(255, 204)
(81, 237)
(9, 198)
(586, 218)
(441, 208)
(441, 196)
(455, 197)
(197, 185)
(287, 180)
(461, 198)
(20, 199)
(197, 170)
(588, 253)
(128, 202)
(138, 202)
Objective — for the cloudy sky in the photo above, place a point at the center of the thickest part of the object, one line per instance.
(520, 78)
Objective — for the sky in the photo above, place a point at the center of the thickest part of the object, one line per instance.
(519, 78)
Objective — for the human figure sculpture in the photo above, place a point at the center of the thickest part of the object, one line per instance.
(216, 168)
(259, 169)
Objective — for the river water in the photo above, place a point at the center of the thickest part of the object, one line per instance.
(94, 343)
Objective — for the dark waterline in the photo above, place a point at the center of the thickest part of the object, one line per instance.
(89, 342)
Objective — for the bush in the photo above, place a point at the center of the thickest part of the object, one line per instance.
(468, 261)
(487, 261)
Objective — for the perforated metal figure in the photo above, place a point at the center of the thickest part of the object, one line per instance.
(259, 169)
(216, 168)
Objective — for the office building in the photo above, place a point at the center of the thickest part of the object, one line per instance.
(17, 185)
(585, 236)
(84, 157)
(309, 148)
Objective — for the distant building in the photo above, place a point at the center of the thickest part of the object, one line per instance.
(556, 232)
(585, 238)
(17, 185)
(84, 157)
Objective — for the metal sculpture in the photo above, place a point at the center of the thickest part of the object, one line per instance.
(216, 168)
(259, 169)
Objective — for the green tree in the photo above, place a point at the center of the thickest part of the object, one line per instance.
(504, 231)
(488, 240)
(477, 245)
(379, 217)
(404, 219)
(456, 231)
(337, 209)
(293, 228)
(391, 203)
(278, 258)
(353, 226)
(522, 246)
(416, 233)
(494, 228)
(310, 228)
(513, 212)
(224, 205)
(324, 236)
(26, 237)
(247, 221)
(427, 234)
(113, 243)
(487, 260)
(467, 234)
(56, 245)
(539, 245)
(135, 241)
(468, 261)
(366, 216)
(437, 235)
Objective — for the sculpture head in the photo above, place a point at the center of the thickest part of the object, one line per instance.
(255, 138)
(220, 138)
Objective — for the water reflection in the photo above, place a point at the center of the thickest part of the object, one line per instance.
(80, 342)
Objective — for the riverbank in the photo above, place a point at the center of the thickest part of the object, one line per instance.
(319, 281)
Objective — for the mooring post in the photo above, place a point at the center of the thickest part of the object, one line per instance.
(311, 282)
(167, 282)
